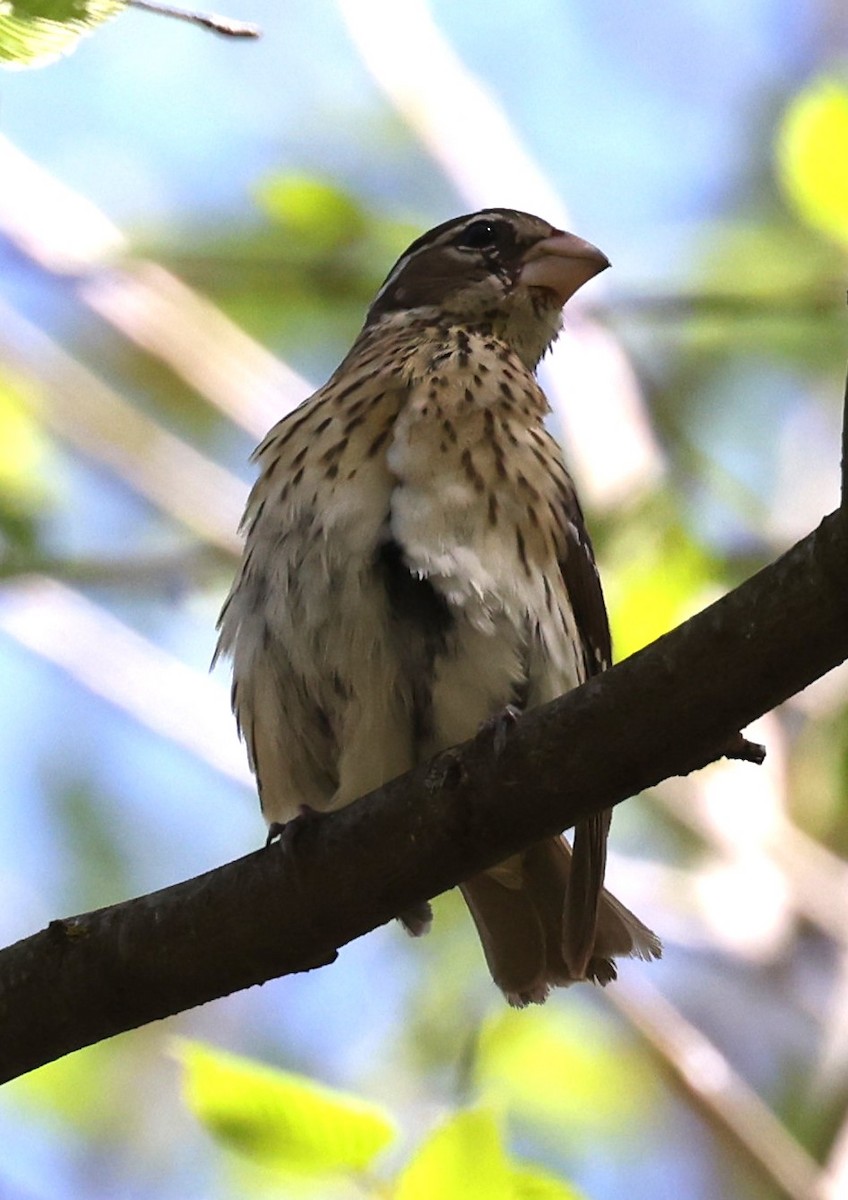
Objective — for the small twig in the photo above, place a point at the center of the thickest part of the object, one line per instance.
(740, 748)
(683, 306)
(175, 568)
(223, 25)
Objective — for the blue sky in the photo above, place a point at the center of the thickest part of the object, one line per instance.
(648, 118)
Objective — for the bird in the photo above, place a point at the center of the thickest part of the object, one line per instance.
(416, 563)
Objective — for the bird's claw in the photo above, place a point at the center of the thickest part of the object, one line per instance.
(288, 830)
(276, 829)
(417, 921)
(500, 726)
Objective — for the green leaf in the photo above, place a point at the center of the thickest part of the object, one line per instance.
(665, 583)
(812, 156)
(464, 1159)
(529, 1183)
(26, 467)
(36, 32)
(71, 1088)
(23, 447)
(570, 1072)
(279, 1119)
(318, 214)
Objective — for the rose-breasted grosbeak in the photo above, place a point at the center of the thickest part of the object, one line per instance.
(416, 560)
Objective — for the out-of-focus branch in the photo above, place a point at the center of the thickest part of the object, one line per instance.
(730, 1106)
(817, 879)
(165, 317)
(604, 402)
(683, 306)
(835, 1184)
(66, 234)
(168, 571)
(82, 410)
(118, 664)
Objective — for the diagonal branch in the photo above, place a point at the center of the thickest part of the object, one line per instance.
(844, 491)
(730, 1106)
(222, 25)
(666, 711)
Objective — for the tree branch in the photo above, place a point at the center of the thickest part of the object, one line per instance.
(844, 491)
(222, 25)
(667, 710)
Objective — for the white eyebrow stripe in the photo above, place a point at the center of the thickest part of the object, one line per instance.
(444, 239)
(393, 274)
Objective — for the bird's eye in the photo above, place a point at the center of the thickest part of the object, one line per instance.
(478, 235)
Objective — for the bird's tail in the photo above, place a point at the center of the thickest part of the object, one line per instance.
(519, 910)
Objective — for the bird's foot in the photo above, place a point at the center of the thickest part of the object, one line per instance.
(288, 830)
(499, 727)
(417, 921)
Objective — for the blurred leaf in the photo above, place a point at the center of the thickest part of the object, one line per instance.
(280, 1119)
(785, 291)
(571, 1072)
(36, 32)
(531, 1184)
(72, 1087)
(70, 1090)
(320, 215)
(81, 812)
(669, 578)
(22, 443)
(464, 1159)
(24, 451)
(812, 156)
(302, 279)
(818, 774)
(768, 260)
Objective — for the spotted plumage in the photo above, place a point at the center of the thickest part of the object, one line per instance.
(416, 560)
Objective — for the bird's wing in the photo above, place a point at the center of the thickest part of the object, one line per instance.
(313, 517)
(576, 560)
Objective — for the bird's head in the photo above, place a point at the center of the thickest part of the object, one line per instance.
(501, 268)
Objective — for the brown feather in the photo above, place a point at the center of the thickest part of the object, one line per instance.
(583, 586)
(416, 559)
(520, 927)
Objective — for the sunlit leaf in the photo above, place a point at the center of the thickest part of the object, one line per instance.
(22, 442)
(70, 1090)
(770, 285)
(767, 262)
(653, 591)
(529, 1183)
(812, 156)
(71, 1086)
(35, 32)
(280, 1119)
(318, 214)
(301, 282)
(464, 1159)
(566, 1070)
(24, 464)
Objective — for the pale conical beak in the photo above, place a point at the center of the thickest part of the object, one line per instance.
(562, 263)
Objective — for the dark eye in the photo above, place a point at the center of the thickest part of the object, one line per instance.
(478, 235)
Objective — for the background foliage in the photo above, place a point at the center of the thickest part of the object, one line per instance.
(173, 207)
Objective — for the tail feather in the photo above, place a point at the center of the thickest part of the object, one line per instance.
(524, 932)
(583, 891)
(513, 938)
